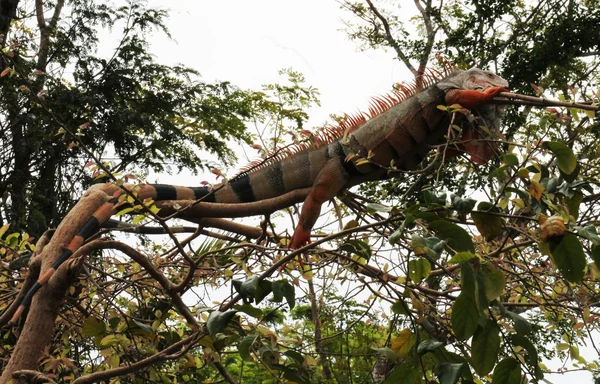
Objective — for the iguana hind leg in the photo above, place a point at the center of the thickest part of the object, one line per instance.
(330, 180)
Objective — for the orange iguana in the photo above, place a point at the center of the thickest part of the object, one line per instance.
(397, 135)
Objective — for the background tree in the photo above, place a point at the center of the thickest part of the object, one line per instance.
(444, 278)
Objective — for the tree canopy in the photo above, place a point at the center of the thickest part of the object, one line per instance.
(456, 272)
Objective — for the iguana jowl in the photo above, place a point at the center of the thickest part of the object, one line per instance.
(398, 135)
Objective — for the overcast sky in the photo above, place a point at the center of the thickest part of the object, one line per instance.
(248, 42)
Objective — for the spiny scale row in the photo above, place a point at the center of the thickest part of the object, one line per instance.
(350, 123)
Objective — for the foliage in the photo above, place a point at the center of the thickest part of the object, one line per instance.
(456, 273)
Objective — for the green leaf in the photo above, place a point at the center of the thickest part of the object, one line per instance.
(589, 232)
(92, 326)
(522, 326)
(109, 341)
(432, 198)
(247, 289)
(264, 288)
(461, 257)
(295, 356)
(565, 158)
(290, 294)
(596, 254)
(249, 310)
(487, 224)
(428, 345)
(510, 159)
(465, 316)
(400, 308)
(217, 321)
(457, 238)
(431, 246)
(485, 347)
(449, 373)
(462, 205)
(408, 372)
(569, 257)
(374, 207)
(388, 353)
(508, 371)
(495, 282)
(357, 247)
(419, 269)
(245, 346)
(532, 354)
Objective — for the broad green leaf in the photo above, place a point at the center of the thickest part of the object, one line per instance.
(245, 346)
(488, 224)
(247, 289)
(428, 345)
(485, 346)
(510, 159)
(407, 372)
(462, 205)
(264, 288)
(449, 373)
(565, 158)
(465, 316)
(400, 308)
(432, 198)
(374, 207)
(461, 257)
(431, 246)
(522, 326)
(388, 353)
(290, 294)
(248, 309)
(295, 355)
(569, 257)
(217, 321)
(532, 354)
(495, 282)
(292, 374)
(508, 371)
(140, 328)
(573, 204)
(93, 326)
(596, 254)
(358, 248)
(283, 288)
(419, 269)
(111, 340)
(457, 238)
(589, 233)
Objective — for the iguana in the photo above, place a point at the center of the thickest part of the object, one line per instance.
(397, 134)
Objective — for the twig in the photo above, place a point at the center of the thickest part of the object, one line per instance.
(515, 98)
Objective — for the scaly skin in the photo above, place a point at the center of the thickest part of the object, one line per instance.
(399, 131)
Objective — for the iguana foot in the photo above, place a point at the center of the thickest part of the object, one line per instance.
(300, 238)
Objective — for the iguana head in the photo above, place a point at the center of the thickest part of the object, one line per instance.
(486, 85)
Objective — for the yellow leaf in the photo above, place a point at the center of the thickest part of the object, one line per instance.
(4, 229)
(403, 343)
(535, 190)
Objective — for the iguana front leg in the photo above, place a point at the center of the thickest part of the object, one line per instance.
(329, 182)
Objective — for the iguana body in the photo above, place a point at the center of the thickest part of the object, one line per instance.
(398, 135)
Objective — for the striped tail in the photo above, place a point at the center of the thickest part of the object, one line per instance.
(156, 191)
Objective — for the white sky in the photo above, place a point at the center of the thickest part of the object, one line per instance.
(248, 42)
